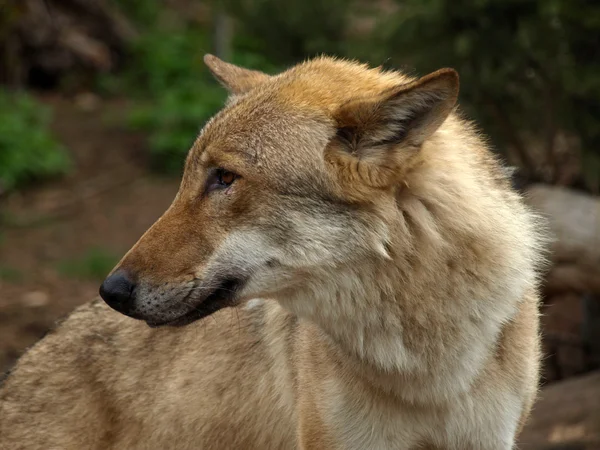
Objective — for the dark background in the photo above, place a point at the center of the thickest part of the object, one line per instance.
(101, 99)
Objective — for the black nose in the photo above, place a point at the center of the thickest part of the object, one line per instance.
(117, 290)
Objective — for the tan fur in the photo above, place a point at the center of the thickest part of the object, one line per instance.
(400, 264)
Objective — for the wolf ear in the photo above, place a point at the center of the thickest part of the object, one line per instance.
(374, 135)
(236, 80)
(405, 114)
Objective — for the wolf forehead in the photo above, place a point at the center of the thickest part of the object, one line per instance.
(293, 109)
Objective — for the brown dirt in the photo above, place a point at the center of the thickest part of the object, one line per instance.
(107, 202)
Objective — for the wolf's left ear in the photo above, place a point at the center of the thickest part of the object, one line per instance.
(374, 135)
(405, 114)
(236, 80)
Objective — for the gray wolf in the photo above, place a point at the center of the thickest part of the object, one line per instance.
(345, 266)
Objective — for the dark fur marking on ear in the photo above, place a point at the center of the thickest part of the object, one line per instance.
(350, 137)
(346, 135)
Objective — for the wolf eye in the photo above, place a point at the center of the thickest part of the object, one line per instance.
(220, 179)
(225, 177)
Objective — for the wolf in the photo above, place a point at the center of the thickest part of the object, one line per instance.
(344, 266)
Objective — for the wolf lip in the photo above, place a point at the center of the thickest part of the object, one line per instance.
(222, 297)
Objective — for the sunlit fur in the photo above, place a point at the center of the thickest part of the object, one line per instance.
(390, 299)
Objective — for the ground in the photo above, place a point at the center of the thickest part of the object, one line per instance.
(57, 239)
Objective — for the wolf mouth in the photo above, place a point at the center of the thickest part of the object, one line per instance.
(221, 297)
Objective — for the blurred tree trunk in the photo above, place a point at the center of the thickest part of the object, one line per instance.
(222, 33)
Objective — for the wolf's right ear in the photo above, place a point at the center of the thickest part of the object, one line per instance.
(235, 79)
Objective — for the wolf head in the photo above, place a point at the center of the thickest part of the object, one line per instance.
(297, 174)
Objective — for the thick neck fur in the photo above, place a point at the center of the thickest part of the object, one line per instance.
(463, 253)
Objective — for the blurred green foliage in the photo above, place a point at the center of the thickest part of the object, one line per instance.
(529, 69)
(27, 149)
(141, 12)
(175, 93)
(95, 264)
(10, 274)
(289, 31)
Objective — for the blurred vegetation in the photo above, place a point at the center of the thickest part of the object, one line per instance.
(290, 31)
(27, 149)
(174, 95)
(141, 12)
(93, 265)
(530, 70)
(175, 92)
(10, 274)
